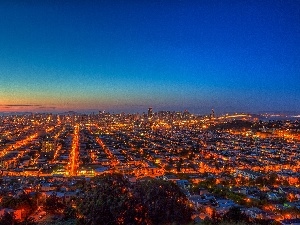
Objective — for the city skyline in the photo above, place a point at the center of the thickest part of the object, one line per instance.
(90, 56)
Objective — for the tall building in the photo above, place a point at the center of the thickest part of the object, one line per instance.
(150, 113)
(186, 114)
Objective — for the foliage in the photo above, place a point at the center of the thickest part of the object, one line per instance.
(28, 221)
(235, 215)
(113, 200)
(7, 219)
(26, 203)
(9, 202)
(224, 223)
(60, 222)
(69, 213)
(235, 124)
(53, 204)
(164, 201)
(22, 202)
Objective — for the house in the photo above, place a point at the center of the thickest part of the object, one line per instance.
(242, 190)
(225, 203)
(59, 195)
(198, 201)
(256, 213)
(209, 197)
(48, 187)
(247, 173)
(170, 177)
(290, 222)
(272, 196)
(68, 196)
(17, 213)
(183, 184)
(203, 191)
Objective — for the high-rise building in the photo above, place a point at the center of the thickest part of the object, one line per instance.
(150, 113)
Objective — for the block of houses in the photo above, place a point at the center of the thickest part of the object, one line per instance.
(17, 213)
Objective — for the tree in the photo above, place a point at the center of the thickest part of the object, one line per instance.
(69, 213)
(23, 202)
(110, 202)
(61, 222)
(168, 167)
(52, 203)
(26, 203)
(113, 200)
(179, 165)
(8, 202)
(27, 221)
(273, 179)
(235, 215)
(164, 201)
(7, 219)
(260, 181)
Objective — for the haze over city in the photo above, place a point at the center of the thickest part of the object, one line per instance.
(170, 55)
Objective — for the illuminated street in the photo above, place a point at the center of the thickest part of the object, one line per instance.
(74, 164)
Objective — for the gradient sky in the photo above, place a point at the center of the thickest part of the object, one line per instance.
(173, 55)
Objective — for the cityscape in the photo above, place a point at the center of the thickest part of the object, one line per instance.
(253, 159)
(164, 112)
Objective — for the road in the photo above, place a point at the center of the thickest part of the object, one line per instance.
(74, 162)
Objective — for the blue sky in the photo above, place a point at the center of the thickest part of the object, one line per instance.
(172, 55)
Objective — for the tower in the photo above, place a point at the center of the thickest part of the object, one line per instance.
(150, 113)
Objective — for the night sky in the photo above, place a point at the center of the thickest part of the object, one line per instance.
(233, 56)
